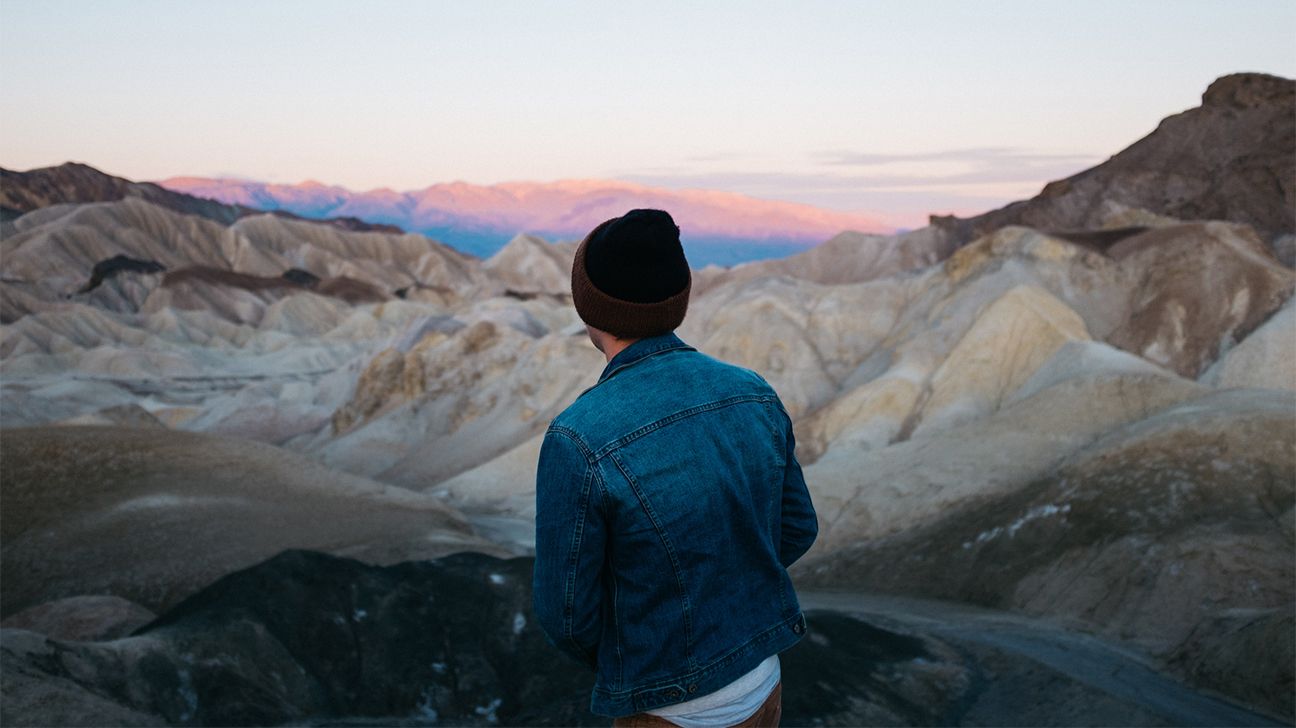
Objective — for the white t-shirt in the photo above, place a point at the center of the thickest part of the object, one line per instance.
(731, 704)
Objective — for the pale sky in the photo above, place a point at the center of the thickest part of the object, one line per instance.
(890, 108)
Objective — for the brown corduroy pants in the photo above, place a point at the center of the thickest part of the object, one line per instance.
(766, 716)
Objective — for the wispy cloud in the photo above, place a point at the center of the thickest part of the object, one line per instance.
(716, 157)
(975, 156)
(968, 166)
(902, 187)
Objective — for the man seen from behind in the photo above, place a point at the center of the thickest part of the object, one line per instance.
(669, 504)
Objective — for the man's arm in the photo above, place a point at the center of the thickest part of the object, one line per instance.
(570, 538)
(800, 526)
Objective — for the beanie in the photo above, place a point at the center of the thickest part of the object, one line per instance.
(630, 277)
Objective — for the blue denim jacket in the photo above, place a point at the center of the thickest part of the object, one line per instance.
(668, 507)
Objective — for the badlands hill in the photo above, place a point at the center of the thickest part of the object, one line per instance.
(1232, 158)
(1095, 425)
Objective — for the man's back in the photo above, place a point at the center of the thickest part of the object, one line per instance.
(669, 504)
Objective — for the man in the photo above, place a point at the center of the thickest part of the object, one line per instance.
(669, 504)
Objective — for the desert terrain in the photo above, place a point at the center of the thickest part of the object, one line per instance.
(257, 468)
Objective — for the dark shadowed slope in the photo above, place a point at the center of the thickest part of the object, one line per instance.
(312, 639)
(152, 515)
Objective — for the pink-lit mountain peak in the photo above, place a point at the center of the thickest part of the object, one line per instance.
(568, 206)
(481, 218)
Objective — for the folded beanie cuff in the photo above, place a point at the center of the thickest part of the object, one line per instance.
(621, 318)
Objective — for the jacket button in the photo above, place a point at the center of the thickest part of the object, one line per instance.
(798, 628)
(693, 688)
(675, 693)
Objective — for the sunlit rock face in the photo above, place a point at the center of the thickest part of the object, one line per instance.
(805, 338)
(421, 416)
(847, 257)
(529, 266)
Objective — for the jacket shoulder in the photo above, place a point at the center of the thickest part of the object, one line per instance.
(740, 379)
(699, 375)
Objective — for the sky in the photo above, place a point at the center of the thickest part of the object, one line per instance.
(896, 109)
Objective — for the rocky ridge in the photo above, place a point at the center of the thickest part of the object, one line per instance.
(1232, 158)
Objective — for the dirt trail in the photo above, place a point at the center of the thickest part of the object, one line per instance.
(1119, 672)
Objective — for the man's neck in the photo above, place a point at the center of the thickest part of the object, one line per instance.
(607, 343)
(612, 346)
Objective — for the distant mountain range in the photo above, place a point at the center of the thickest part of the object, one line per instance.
(718, 227)
(75, 183)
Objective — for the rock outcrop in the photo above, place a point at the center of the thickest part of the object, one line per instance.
(1232, 158)
(529, 266)
(1201, 288)
(848, 257)
(1266, 359)
(55, 251)
(419, 417)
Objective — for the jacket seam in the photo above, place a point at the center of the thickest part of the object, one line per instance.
(575, 437)
(573, 556)
(670, 553)
(604, 500)
(573, 560)
(776, 493)
(675, 417)
(616, 628)
(609, 373)
(671, 346)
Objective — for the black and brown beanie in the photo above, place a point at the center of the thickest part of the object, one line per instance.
(630, 277)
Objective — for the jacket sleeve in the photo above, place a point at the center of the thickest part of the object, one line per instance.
(570, 540)
(800, 525)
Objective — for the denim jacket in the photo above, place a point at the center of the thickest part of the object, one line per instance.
(668, 507)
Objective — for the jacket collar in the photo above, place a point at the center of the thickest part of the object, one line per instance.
(640, 350)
